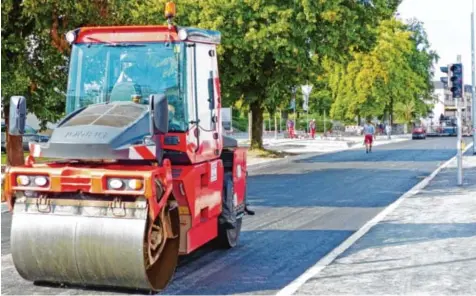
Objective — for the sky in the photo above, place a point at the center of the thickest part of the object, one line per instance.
(448, 25)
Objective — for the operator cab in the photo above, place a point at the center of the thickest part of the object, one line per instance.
(104, 72)
(129, 64)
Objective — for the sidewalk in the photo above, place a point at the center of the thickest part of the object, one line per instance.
(426, 245)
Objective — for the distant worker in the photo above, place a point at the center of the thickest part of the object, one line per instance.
(291, 128)
(369, 132)
(128, 84)
(312, 128)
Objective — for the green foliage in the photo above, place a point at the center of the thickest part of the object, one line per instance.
(240, 124)
(270, 46)
(359, 59)
(405, 112)
(397, 70)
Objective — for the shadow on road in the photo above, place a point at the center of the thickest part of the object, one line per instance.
(262, 262)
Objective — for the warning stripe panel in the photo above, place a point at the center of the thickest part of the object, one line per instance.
(142, 152)
(35, 149)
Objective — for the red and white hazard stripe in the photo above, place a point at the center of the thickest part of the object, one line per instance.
(142, 152)
(35, 149)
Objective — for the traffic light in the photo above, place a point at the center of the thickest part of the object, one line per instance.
(456, 80)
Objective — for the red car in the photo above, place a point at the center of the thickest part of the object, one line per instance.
(419, 132)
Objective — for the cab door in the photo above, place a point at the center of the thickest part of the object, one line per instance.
(205, 126)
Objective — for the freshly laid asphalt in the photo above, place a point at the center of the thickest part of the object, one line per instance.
(304, 209)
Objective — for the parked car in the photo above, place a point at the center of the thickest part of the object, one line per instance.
(30, 135)
(419, 132)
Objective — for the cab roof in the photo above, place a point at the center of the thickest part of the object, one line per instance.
(144, 33)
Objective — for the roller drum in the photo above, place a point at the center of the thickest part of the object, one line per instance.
(83, 245)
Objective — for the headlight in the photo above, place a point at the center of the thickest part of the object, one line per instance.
(135, 184)
(70, 36)
(23, 180)
(182, 34)
(115, 184)
(41, 181)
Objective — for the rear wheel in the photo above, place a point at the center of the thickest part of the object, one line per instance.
(228, 236)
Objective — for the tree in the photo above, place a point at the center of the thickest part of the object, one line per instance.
(270, 46)
(396, 70)
(405, 112)
(35, 55)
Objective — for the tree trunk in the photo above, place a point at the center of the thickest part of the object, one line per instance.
(257, 126)
(14, 144)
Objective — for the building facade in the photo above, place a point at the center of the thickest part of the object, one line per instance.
(438, 105)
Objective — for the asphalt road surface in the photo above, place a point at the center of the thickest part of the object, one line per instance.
(304, 209)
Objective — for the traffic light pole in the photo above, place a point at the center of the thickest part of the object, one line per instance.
(457, 89)
(458, 144)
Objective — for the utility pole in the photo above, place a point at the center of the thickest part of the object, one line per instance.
(473, 101)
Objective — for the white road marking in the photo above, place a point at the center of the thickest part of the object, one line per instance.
(326, 260)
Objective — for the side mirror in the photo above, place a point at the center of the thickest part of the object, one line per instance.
(159, 114)
(17, 116)
(211, 93)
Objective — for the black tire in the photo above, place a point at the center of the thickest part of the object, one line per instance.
(228, 237)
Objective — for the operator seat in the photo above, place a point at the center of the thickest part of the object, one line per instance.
(123, 91)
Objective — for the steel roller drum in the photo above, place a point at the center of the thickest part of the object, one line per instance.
(84, 245)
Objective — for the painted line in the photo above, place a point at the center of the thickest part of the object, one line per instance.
(330, 257)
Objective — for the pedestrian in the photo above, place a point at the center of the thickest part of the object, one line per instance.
(312, 128)
(369, 134)
(290, 125)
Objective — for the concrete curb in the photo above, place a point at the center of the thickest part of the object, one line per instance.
(294, 286)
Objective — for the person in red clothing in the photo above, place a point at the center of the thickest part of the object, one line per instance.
(312, 128)
(369, 134)
(291, 128)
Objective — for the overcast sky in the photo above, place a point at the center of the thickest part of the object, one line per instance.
(448, 24)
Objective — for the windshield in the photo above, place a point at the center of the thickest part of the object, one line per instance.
(127, 73)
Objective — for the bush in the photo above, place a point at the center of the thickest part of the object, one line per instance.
(240, 124)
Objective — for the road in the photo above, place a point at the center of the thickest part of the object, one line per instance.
(304, 209)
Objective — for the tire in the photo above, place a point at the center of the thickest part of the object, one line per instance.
(228, 237)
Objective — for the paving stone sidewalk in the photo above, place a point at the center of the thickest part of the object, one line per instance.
(425, 246)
